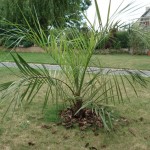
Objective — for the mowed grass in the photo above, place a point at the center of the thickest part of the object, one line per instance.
(29, 57)
(26, 130)
(113, 61)
(123, 61)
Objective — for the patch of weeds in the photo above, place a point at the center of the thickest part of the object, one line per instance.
(24, 125)
(1, 130)
(52, 114)
(117, 120)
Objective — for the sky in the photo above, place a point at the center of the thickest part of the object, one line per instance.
(103, 5)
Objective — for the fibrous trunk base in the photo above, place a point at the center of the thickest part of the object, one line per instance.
(84, 118)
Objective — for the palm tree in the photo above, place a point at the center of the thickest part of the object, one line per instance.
(77, 85)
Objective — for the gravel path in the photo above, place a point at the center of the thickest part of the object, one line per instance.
(144, 73)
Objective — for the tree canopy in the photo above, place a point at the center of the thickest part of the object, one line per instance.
(49, 12)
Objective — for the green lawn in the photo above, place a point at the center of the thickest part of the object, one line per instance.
(115, 60)
(124, 61)
(29, 57)
(26, 130)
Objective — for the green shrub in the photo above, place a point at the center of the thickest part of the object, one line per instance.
(1, 34)
(14, 42)
(26, 44)
(102, 44)
(10, 43)
(139, 39)
(1, 41)
(122, 38)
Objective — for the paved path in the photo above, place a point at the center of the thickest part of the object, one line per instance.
(144, 73)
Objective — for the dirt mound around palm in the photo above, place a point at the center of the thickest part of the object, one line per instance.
(84, 119)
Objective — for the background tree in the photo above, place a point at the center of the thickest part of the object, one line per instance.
(49, 12)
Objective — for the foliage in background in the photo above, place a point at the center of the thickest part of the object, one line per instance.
(55, 13)
(13, 40)
(136, 37)
(116, 40)
(139, 39)
(49, 13)
(122, 37)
